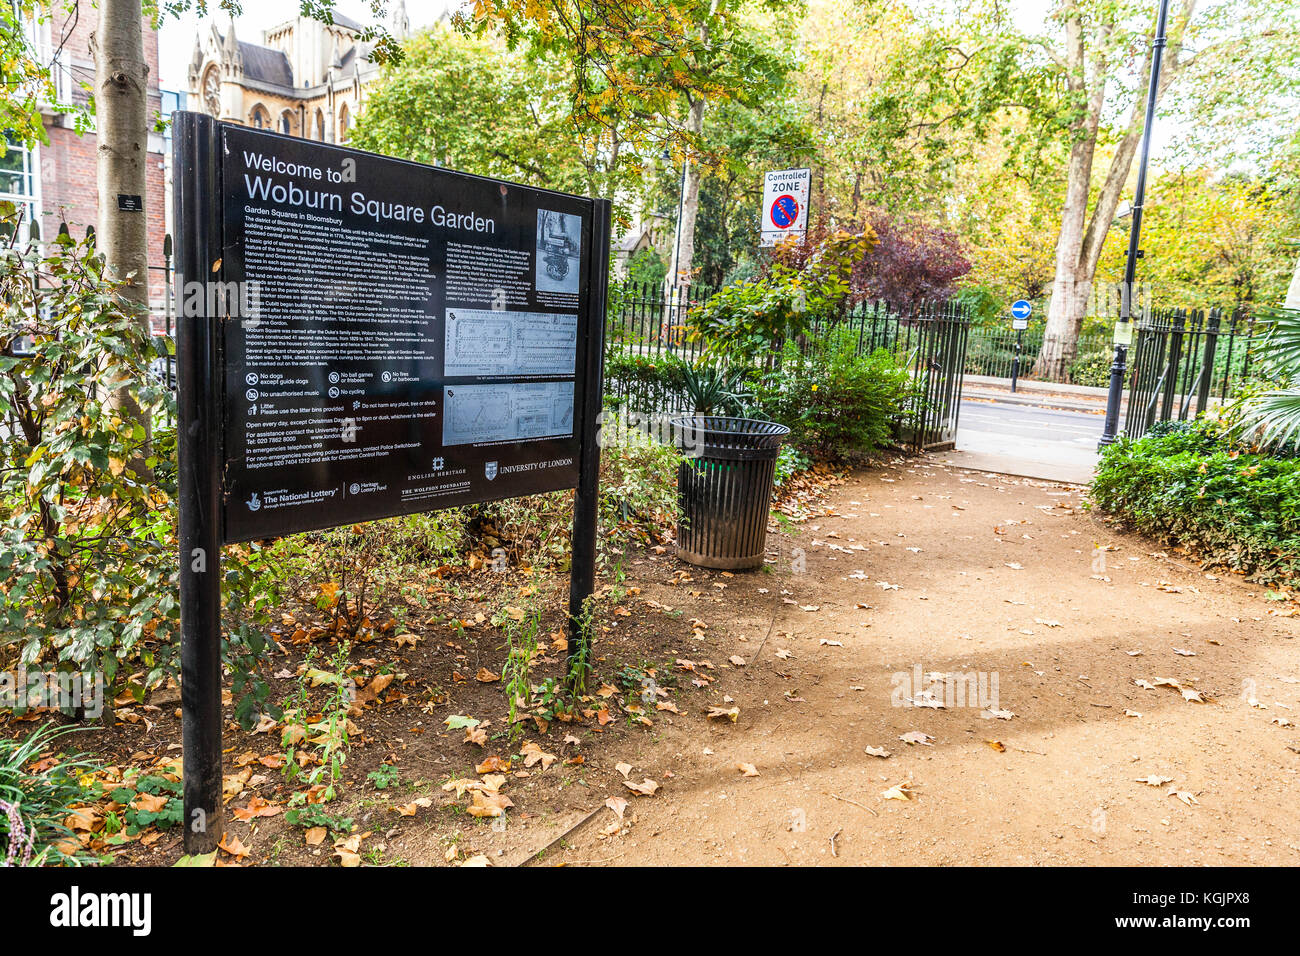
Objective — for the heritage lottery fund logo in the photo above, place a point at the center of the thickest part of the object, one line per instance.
(77, 910)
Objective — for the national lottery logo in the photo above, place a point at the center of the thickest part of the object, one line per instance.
(785, 212)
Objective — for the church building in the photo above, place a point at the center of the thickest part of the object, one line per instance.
(305, 78)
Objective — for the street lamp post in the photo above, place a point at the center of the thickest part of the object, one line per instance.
(1124, 328)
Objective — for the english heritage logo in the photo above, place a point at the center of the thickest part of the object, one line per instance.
(490, 469)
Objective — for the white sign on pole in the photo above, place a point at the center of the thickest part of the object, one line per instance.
(785, 205)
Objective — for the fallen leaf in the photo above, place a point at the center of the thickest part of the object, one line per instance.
(748, 769)
(916, 737)
(534, 754)
(899, 791)
(646, 788)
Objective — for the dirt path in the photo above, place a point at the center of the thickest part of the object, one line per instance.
(1000, 577)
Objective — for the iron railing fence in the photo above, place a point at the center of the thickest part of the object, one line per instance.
(1183, 362)
(992, 351)
(647, 323)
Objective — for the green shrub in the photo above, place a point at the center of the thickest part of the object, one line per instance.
(743, 321)
(87, 545)
(837, 403)
(36, 802)
(644, 381)
(1188, 485)
(1092, 369)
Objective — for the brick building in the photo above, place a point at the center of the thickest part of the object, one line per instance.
(56, 181)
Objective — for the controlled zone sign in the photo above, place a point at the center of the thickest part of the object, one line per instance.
(785, 205)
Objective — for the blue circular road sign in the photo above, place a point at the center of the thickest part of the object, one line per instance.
(1021, 309)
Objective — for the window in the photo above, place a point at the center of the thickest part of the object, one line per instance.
(320, 125)
(341, 134)
(286, 122)
(260, 118)
(211, 92)
(20, 181)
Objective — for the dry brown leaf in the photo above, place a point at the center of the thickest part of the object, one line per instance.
(534, 754)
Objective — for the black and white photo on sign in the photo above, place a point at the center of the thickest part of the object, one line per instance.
(559, 243)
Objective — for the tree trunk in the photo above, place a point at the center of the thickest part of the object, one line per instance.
(682, 266)
(122, 128)
(1078, 249)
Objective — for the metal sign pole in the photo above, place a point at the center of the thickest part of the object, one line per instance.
(582, 568)
(198, 436)
(1015, 363)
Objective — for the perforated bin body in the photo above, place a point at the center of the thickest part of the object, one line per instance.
(724, 487)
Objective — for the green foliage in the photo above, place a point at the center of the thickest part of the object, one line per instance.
(87, 545)
(42, 799)
(837, 403)
(1191, 485)
(384, 777)
(790, 460)
(638, 490)
(746, 320)
(136, 817)
(1092, 369)
(647, 267)
(510, 112)
(1272, 417)
(711, 388)
(644, 381)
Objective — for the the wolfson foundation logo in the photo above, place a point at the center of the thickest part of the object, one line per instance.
(75, 909)
(490, 469)
(917, 688)
(57, 690)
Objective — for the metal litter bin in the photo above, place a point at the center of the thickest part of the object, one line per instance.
(724, 487)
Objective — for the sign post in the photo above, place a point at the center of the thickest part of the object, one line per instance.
(1020, 312)
(361, 337)
(785, 205)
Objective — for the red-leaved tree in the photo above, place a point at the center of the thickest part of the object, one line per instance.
(910, 262)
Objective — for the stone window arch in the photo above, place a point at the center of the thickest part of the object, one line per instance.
(320, 124)
(260, 117)
(210, 91)
(344, 124)
(286, 122)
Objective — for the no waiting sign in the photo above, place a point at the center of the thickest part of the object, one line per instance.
(785, 205)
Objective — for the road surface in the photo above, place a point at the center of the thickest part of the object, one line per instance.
(1027, 440)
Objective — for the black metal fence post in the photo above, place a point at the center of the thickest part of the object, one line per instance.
(582, 569)
(196, 194)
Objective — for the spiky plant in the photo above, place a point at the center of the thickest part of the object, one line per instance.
(1272, 419)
